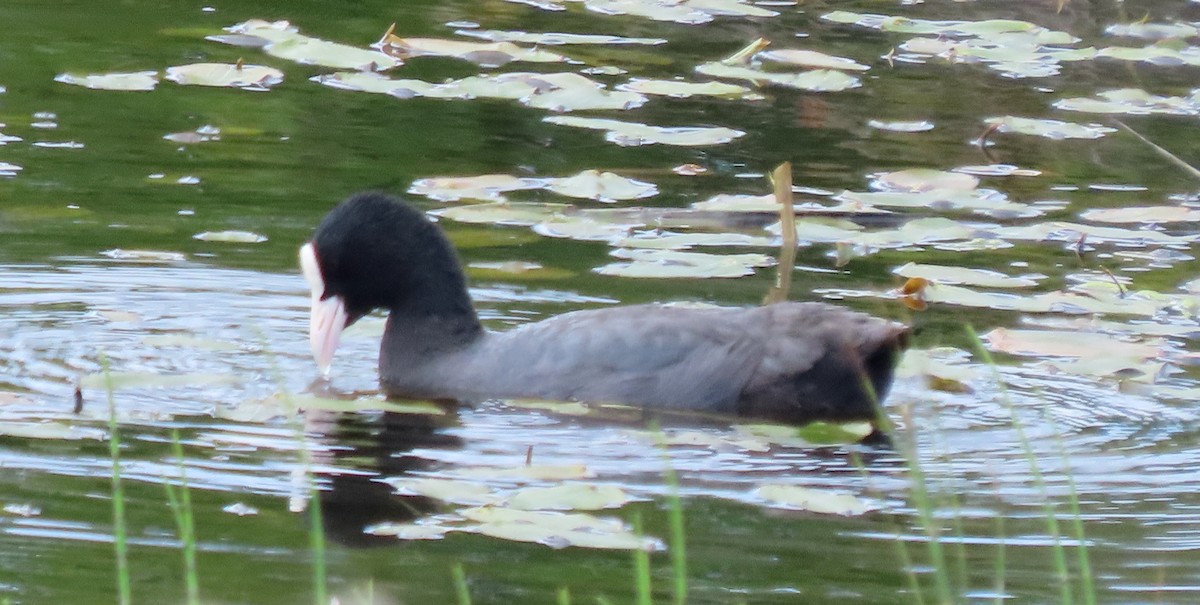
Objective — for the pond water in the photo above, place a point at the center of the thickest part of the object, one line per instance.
(1080, 437)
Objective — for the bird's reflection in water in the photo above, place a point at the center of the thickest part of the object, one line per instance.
(360, 449)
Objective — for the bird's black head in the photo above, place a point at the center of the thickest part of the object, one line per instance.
(374, 251)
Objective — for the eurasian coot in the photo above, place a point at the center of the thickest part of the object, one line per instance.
(792, 362)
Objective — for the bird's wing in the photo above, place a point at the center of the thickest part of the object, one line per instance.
(657, 356)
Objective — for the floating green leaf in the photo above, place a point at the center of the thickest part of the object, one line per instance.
(798, 497)
(811, 59)
(652, 263)
(1051, 129)
(569, 496)
(484, 53)
(632, 134)
(235, 237)
(141, 80)
(962, 275)
(228, 75)
(555, 39)
(818, 80)
(682, 89)
(1142, 214)
(281, 39)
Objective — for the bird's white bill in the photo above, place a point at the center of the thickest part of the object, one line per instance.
(327, 318)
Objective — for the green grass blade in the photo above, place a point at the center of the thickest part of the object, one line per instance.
(185, 522)
(120, 547)
(563, 596)
(460, 584)
(1066, 593)
(641, 566)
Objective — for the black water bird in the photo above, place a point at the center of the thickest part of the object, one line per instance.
(791, 362)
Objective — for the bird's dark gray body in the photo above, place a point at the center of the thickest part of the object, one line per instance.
(791, 361)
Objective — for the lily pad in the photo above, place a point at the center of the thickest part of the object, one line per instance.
(1142, 214)
(52, 430)
(1051, 129)
(558, 530)
(488, 187)
(1053, 343)
(681, 89)
(924, 180)
(150, 380)
(1153, 31)
(555, 39)
(1132, 101)
(281, 39)
(602, 187)
(652, 263)
(235, 237)
(569, 496)
(546, 472)
(629, 134)
(136, 81)
(811, 59)
(818, 80)
(963, 275)
(228, 75)
(409, 531)
(902, 126)
(484, 53)
(151, 256)
(798, 497)
(456, 492)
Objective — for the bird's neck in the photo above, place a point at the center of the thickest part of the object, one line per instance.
(416, 331)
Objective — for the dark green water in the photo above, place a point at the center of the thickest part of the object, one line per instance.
(287, 155)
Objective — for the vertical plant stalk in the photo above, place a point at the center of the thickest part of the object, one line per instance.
(1086, 581)
(641, 566)
(460, 585)
(924, 504)
(120, 548)
(678, 541)
(1000, 563)
(185, 522)
(781, 179)
(316, 532)
(563, 597)
(1066, 593)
